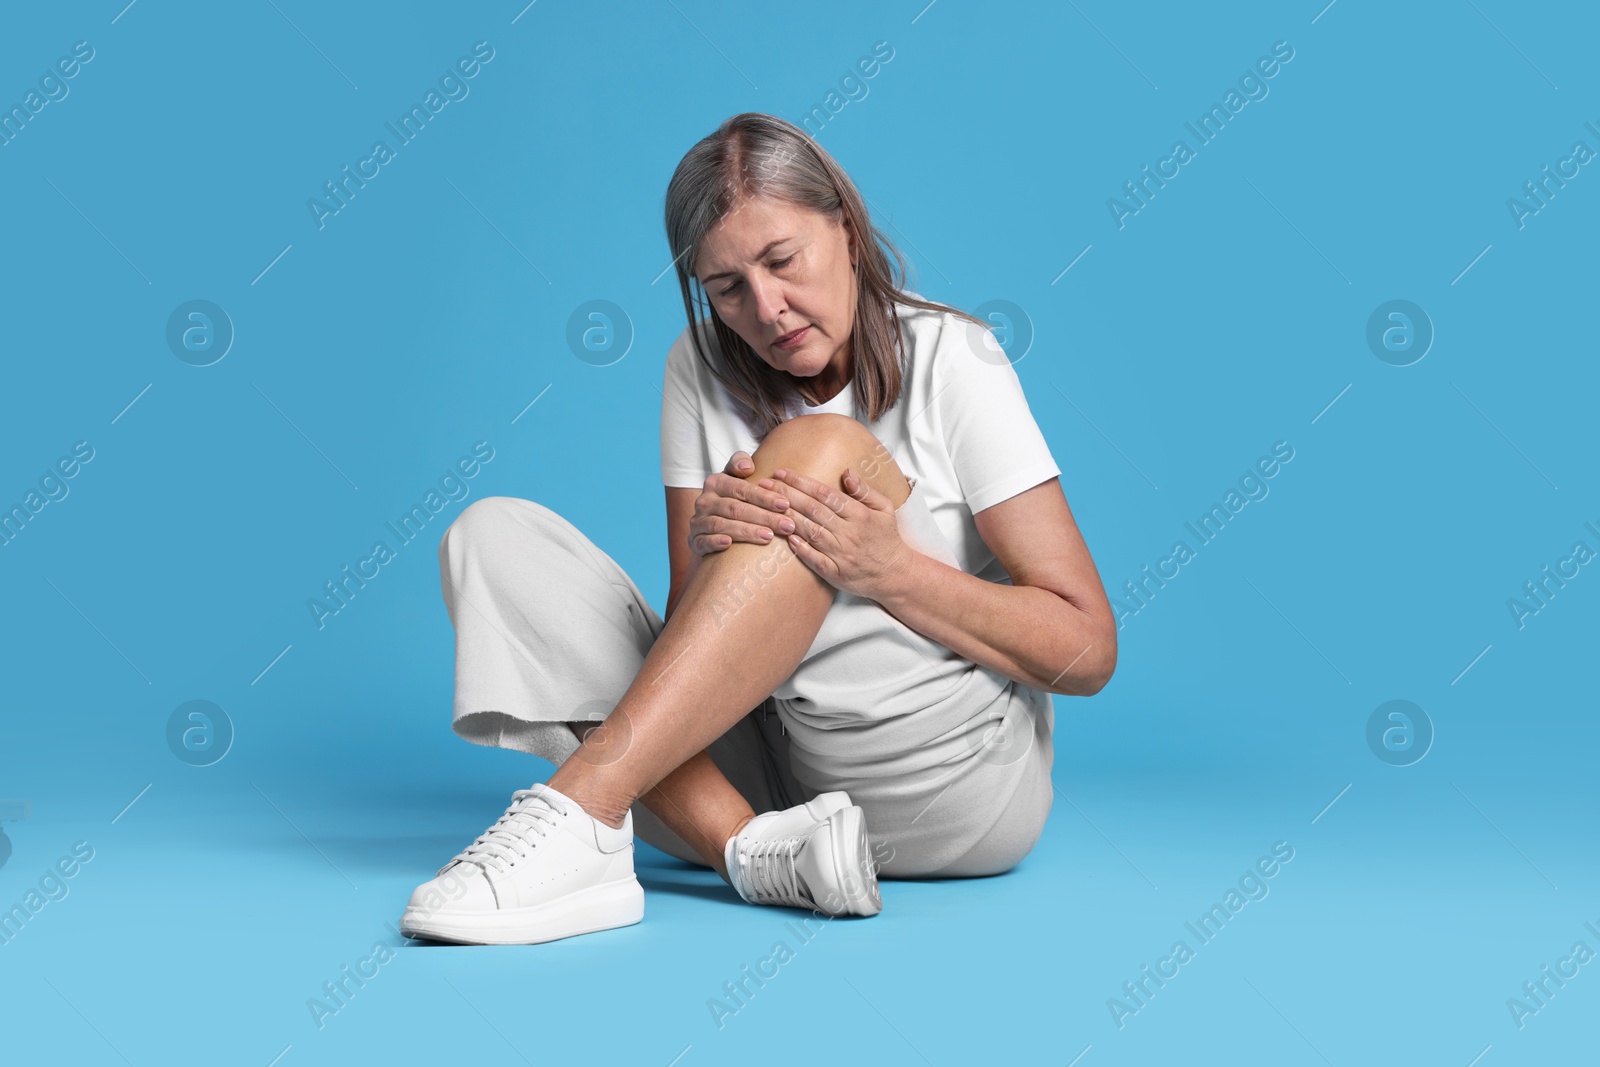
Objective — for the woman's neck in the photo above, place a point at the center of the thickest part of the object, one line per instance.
(826, 383)
(820, 399)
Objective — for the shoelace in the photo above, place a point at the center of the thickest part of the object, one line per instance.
(502, 844)
(765, 872)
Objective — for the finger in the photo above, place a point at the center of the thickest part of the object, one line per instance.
(705, 544)
(739, 464)
(705, 536)
(755, 512)
(734, 529)
(863, 491)
(827, 496)
(761, 535)
(819, 491)
(760, 494)
(805, 510)
(808, 554)
(760, 518)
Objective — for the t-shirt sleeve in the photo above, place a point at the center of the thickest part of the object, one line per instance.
(683, 440)
(995, 445)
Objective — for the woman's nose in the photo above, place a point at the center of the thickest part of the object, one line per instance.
(769, 299)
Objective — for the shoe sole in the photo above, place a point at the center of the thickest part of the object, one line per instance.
(852, 862)
(585, 911)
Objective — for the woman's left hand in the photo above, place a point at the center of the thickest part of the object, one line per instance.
(852, 541)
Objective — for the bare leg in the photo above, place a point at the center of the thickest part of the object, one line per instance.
(743, 625)
(696, 802)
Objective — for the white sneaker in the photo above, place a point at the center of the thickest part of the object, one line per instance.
(544, 870)
(813, 855)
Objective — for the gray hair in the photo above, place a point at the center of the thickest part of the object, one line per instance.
(753, 155)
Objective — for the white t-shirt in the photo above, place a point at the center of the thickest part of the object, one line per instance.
(961, 430)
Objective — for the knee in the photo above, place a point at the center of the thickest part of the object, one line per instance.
(486, 519)
(823, 430)
(822, 445)
(482, 515)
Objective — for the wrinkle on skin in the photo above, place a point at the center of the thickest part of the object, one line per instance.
(763, 290)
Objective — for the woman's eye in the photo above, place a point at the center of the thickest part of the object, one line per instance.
(777, 264)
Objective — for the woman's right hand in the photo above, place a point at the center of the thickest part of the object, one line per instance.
(731, 509)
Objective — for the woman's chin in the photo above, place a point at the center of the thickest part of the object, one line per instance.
(790, 363)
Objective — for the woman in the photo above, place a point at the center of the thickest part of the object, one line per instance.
(884, 568)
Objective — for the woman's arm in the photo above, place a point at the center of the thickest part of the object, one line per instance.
(682, 560)
(1051, 629)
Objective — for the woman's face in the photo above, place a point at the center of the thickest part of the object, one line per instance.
(771, 269)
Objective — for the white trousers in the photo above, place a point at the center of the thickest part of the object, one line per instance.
(949, 761)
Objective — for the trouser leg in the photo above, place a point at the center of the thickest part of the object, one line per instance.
(550, 630)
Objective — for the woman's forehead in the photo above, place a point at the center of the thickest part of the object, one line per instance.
(750, 230)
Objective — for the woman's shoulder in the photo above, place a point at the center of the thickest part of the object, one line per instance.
(932, 331)
(682, 361)
(685, 338)
(931, 322)
(918, 319)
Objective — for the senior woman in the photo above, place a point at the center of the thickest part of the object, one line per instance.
(876, 586)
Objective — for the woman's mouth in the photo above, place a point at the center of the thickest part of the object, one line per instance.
(789, 340)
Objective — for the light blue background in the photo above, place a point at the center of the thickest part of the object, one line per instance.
(1228, 314)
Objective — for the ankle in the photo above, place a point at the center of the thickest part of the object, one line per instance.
(600, 812)
(740, 825)
(597, 804)
(719, 862)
